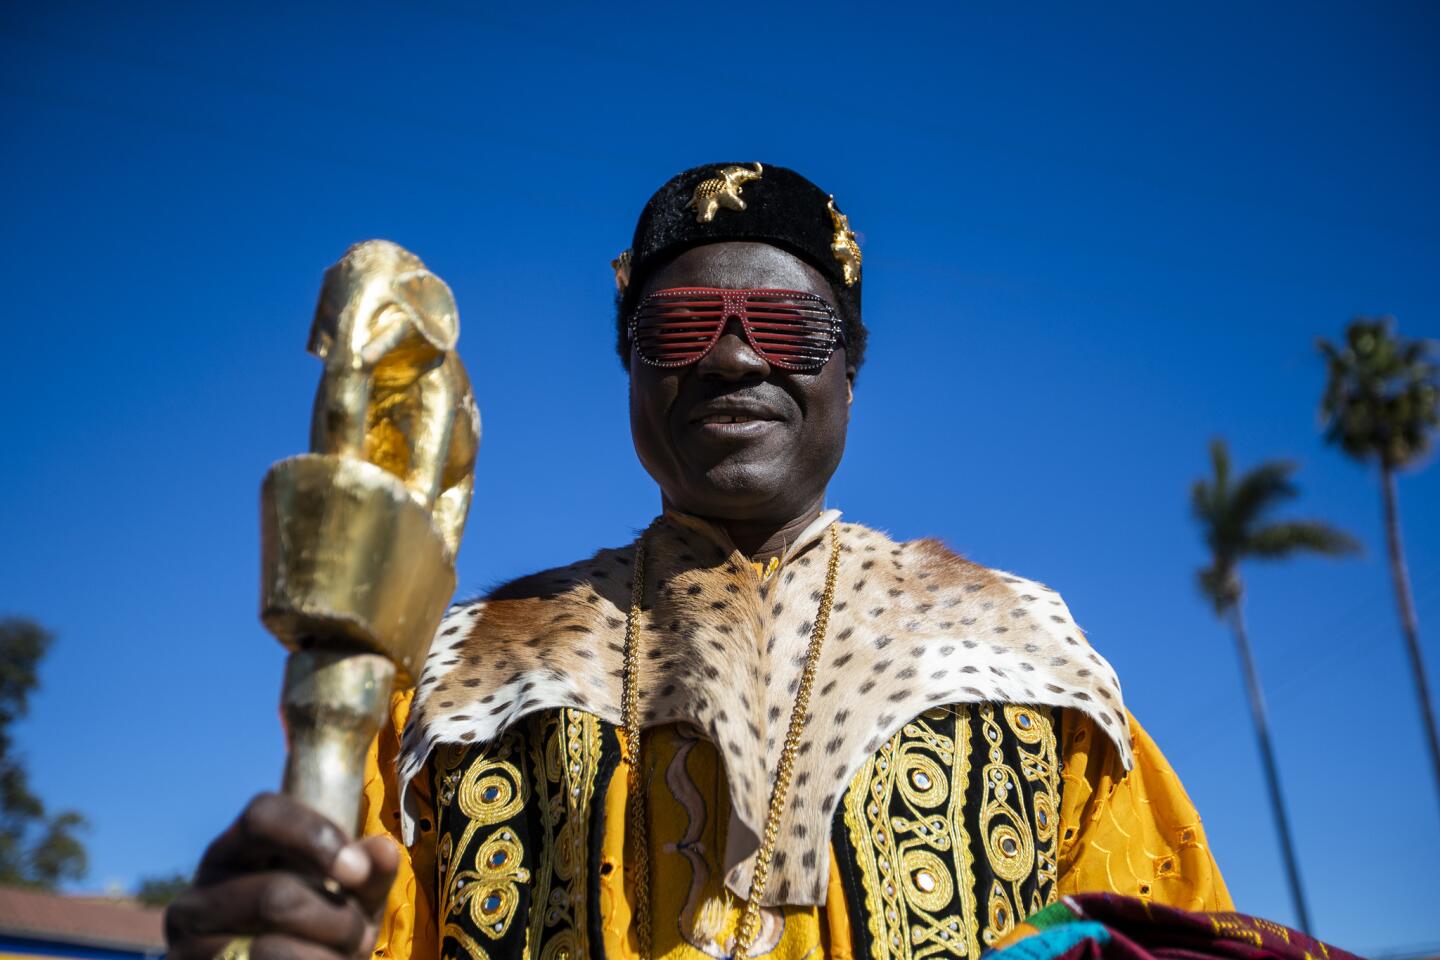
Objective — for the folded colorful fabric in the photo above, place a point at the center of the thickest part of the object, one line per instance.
(1104, 926)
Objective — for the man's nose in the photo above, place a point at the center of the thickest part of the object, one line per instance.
(732, 357)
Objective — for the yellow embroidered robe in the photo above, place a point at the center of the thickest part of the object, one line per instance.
(1134, 833)
(934, 804)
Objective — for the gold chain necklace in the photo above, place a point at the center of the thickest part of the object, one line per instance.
(637, 814)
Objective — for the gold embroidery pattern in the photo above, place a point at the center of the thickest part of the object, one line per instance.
(949, 831)
(1257, 932)
(904, 813)
(566, 755)
(513, 844)
(482, 872)
(1019, 843)
(1238, 929)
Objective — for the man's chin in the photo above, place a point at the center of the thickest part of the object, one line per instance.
(734, 492)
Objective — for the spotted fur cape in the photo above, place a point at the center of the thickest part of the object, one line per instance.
(913, 626)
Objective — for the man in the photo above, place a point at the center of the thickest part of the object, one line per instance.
(754, 731)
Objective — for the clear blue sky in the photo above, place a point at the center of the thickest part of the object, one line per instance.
(1093, 240)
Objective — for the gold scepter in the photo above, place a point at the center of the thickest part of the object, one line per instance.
(359, 536)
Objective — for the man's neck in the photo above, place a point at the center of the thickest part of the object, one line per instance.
(763, 539)
(760, 540)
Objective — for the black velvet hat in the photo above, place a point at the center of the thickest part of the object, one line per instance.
(745, 201)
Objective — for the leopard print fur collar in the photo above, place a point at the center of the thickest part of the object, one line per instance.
(913, 626)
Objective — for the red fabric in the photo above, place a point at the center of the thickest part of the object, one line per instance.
(1141, 931)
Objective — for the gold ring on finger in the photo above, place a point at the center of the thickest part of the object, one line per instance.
(237, 949)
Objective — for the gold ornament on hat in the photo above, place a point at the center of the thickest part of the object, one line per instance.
(621, 266)
(722, 191)
(844, 247)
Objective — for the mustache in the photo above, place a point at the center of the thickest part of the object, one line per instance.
(761, 392)
(752, 397)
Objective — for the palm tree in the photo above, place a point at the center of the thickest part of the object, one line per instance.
(1382, 403)
(1232, 513)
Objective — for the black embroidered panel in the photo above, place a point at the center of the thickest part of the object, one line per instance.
(517, 839)
(946, 838)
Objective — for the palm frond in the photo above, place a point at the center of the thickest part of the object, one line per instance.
(1280, 540)
(1210, 500)
(1382, 393)
(1261, 489)
(1220, 462)
(1229, 517)
(1203, 504)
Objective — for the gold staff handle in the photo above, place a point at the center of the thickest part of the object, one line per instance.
(359, 536)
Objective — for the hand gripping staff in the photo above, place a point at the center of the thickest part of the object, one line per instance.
(359, 536)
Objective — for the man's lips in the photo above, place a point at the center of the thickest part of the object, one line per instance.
(741, 430)
(731, 412)
(715, 418)
(733, 419)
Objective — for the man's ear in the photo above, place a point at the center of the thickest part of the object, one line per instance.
(849, 385)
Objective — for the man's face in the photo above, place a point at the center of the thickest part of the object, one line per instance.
(776, 462)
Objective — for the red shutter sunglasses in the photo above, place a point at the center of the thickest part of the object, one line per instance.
(790, 329)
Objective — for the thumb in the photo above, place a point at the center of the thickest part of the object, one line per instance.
(384, 855)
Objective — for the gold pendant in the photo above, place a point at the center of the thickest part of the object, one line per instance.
(748, 926)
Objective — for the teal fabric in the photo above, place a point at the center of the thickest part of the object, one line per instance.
(1053, 941)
